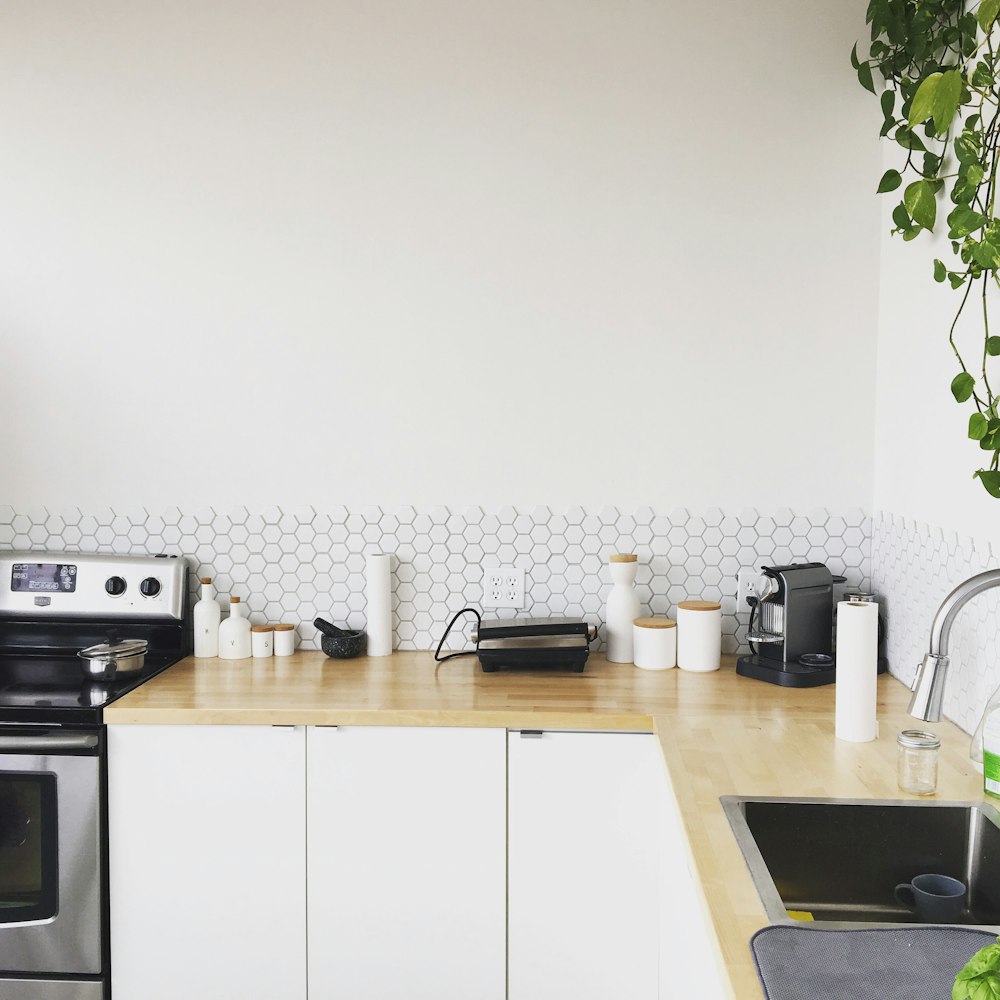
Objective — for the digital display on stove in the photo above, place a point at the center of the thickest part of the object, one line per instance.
(43, 578)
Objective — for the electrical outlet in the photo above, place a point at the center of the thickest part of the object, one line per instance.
(745, 580)
(503, 587)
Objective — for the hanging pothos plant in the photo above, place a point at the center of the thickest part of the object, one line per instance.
(940, 64)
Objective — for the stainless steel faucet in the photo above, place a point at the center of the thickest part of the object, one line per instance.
(928, 685)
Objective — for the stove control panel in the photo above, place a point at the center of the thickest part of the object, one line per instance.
(50, 584)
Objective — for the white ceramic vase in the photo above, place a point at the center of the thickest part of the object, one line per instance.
(622, 608)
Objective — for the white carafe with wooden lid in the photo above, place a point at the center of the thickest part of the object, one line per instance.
(622, 608)
(207, 617)
(234, 634)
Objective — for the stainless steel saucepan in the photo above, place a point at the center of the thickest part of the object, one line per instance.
(107, 661)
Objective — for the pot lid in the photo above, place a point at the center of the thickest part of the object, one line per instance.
(127, 647)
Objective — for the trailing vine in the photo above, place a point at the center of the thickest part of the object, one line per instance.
(940, 66)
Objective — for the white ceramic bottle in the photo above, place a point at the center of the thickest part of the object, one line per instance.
(207, 615)
(622, 608)
(234, 634)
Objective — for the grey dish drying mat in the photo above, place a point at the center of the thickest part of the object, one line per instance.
(884, 963)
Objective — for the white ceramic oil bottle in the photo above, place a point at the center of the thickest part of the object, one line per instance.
(234, 634)
(623, 607)
(207, 614)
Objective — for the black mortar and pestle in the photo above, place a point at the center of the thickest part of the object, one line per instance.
(339, 643)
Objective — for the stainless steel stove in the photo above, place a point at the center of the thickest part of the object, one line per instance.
(53, 801)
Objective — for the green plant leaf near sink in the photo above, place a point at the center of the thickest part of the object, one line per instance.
(980, 979)
(935, 67)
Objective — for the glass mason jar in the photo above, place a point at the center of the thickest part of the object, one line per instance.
(917, 761)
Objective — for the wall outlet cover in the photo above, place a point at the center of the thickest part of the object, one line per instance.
(503, 587)
(745, 580)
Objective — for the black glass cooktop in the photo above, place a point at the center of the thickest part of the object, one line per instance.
(52, 689)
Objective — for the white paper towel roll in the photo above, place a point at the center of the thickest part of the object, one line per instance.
(857, 671)
(378, 591)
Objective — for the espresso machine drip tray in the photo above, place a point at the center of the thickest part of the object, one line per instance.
(794, 674)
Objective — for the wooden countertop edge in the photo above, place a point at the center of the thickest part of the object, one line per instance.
(275, 715)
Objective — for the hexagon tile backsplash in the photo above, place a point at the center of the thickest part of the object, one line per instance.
(915, 566)
(293, 564)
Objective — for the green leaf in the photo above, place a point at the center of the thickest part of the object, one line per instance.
(891, 180)
(865, 77)
(974, 174)
(967, 147)
(962, 386)
(920, 203)
(987, 14)
(982, 75)
(986, 254)
(978, 425)
(946, 98)
(993, 346)
(932, 164)
(909, 139)
(900, 217)
(940, 271)
(888, 103)
(855, 62)
(985, 986)
(922, 105)
(963, 221)
(956, 279)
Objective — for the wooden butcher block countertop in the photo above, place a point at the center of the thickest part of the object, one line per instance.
(721, 734)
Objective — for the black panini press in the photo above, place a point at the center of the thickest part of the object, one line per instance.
(555, 643)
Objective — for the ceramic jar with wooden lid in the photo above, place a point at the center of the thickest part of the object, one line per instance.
(284, 639)
(699, 635)
(654, 643)
(622, 608)
(262, 640)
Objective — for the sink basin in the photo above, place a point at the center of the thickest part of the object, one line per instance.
(840, 860)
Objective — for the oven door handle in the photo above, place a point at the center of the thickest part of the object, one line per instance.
(54, 742)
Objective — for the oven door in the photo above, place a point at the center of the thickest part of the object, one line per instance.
(50, 852)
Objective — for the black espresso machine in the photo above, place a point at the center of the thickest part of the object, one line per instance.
(791, 627)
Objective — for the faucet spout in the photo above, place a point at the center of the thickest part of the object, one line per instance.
(932, 674)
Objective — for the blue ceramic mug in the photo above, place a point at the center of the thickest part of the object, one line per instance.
(936, 899)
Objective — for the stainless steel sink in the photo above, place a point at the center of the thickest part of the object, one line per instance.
(841, 859)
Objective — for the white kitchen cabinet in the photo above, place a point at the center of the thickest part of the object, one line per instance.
(407, 886)
(207, 862)
(583, 866)
(690, 964)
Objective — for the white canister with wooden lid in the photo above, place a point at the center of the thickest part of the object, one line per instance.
(262, 640)
(699, 635)
(284, 639)
(654, 643)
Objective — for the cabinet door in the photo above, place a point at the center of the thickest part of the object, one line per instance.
(690, 963)
(406, 863)
(207, 862)
(583, 914)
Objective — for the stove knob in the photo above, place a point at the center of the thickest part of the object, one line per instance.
(115, 586)
(149, 587)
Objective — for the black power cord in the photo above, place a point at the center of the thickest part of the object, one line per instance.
(465, 652)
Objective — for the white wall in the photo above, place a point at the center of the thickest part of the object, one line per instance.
(456, 250)
(924, 460)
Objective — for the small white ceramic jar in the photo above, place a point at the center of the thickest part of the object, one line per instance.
(654, 643)
(699, 635)
(284, 640)
(262, 640)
